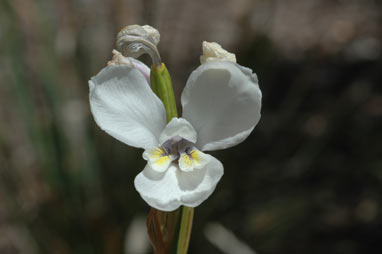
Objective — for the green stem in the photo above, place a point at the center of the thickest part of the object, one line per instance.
(185, 230)
(168, 221)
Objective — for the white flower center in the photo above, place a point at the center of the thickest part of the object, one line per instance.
(175, 149)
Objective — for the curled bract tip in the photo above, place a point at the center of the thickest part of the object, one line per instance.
(135, 40)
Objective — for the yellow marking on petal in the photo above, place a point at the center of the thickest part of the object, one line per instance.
(199, 158)
(195, 155)
(162, 160)
(186, 160)
(157, 153)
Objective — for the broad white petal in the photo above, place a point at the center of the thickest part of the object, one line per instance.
(222, 101)
(124, 106)
(173, 188)
(178, 127)
(119, 59)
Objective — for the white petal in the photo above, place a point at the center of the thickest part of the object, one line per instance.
(222, 101)
(119, 59)
(173, 188)
(142, 68)
(178, 127)
(124, 106)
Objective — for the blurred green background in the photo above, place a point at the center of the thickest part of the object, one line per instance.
(307, 180)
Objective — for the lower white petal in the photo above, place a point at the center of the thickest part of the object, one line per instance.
(173, 188)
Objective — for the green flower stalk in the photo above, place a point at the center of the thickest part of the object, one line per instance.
(162, 86)
(162, 226)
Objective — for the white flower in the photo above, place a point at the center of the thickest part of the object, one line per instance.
(221, 105)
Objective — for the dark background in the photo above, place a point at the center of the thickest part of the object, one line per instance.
(307, 180)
